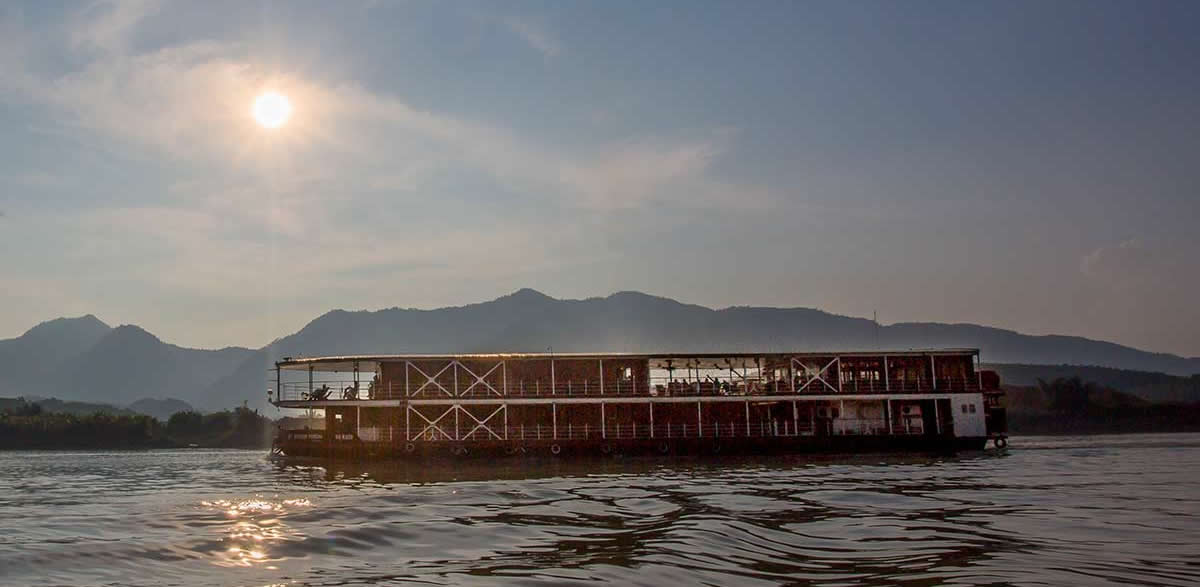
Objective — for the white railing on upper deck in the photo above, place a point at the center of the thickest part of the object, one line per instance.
(341, 389)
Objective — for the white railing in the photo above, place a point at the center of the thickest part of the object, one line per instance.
(343, 389)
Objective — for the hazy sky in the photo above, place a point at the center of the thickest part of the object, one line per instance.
(1027, 165)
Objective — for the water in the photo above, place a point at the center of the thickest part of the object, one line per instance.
(1080, 510)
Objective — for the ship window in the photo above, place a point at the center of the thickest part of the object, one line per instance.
(972, 408)
(964, 406)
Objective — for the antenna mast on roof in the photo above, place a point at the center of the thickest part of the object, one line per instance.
(875, 319)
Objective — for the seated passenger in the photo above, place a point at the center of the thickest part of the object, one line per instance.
(319, 393)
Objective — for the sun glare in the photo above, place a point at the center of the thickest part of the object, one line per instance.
(272, 110)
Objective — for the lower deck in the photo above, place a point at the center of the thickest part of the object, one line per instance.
(702, 425)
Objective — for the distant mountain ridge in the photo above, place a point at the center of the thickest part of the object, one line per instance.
(84, 359)
(127, 363)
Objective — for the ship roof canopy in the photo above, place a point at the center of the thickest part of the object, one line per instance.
(338, 363)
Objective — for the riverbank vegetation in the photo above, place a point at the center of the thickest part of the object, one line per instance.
(1070, 405)
(27, 425)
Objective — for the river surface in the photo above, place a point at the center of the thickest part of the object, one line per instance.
(1099, 510)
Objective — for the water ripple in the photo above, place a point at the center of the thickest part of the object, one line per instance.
(1083, 511)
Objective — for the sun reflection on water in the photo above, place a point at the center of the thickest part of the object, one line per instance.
(251, 526)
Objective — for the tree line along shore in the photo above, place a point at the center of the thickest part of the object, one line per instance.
(28, 425)
(1070, 405)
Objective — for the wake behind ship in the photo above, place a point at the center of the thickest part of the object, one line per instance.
(457, 406)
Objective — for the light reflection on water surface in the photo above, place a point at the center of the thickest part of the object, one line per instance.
(1087, 511)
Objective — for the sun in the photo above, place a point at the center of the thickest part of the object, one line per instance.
(272, 109)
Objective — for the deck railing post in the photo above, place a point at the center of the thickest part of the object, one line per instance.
(601, 376)
(699, 421)
(979, 369)
(554, 420)
(747, 417)
(651, 403)
(603, 424)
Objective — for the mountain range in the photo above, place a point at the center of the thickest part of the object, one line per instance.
(85, 359)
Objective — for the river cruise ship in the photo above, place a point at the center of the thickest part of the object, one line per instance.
(559, 405)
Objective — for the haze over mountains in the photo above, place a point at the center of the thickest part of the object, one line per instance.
(85, 359)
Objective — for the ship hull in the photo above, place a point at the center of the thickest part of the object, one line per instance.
(667, 447)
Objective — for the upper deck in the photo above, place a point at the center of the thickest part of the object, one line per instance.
(502, 377)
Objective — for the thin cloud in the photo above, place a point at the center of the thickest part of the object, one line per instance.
(1125, 259)
(535, 35)
(190, 101)
(108, 24)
